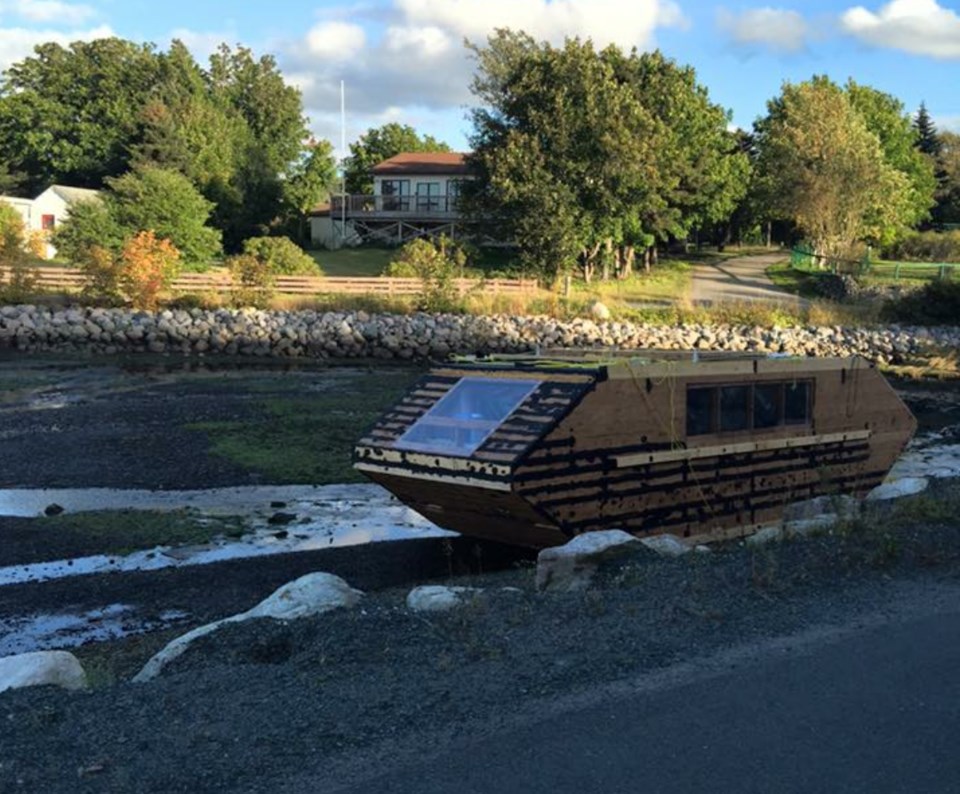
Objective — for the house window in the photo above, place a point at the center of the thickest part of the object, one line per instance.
(48, 222)
(454, 189)
(428, 196)
(747, 406)
(395, 195)
(461, 420)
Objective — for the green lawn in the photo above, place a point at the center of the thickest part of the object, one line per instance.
(354, 261)
(666, 281)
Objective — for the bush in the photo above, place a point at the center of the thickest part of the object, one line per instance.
(21, 284)
(938, 303)
(926, 247)
(90, 224)
(282, 257)
(253, 280)
(436, 264)
(147, 266)
(104, 274)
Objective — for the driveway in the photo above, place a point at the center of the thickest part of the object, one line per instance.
(742, 279)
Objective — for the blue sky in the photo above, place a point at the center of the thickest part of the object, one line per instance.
(403, 60)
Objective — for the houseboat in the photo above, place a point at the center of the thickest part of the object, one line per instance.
(533, 450)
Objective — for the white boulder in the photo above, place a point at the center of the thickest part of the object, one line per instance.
(312, 594)
(765, 535)
(572, 566)
(666, 545)
(838, 505)
(42, 668)
(599, 311)
(905, 486)
(437, 598)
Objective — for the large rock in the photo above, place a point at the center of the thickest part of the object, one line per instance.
(666, 545)
(572, 566)
(906, 486)
(309, 595)
(437, 598)
(838, 505)
(42, 668)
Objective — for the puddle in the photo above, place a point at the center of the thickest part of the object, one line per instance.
(326, 516)
(48, 632)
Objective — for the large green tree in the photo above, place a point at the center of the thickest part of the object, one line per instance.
(308, 182)
(381, 143)
(820, 166)
(885, 116)
(587, 156)
(70, 114)
(89, 112)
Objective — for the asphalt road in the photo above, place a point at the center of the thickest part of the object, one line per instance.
(876, 709)
(740, 280)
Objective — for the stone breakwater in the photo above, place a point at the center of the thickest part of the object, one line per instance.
(252, 332)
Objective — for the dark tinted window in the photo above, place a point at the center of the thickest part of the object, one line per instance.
(699, 411)
(734, 413)
(796, 403)
(766, 404)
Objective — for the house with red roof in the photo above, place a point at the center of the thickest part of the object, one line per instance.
(415, 194)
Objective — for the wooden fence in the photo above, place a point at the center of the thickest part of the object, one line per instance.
(63, 279)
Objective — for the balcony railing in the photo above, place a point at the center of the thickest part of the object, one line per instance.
(413, 206)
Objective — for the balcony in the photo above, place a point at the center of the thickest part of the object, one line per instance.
(367, 207)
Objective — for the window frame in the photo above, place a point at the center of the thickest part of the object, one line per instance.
(716, 413)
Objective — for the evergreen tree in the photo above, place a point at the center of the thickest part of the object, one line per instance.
(928, 141)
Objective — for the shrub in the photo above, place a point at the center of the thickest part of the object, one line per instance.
(90, 224)
(253, 280)
(938, 303)
(926, 247)
(282, 256)
(147, 266)
(436, 264)
(104, 274)
(168, 204)
(21, 284)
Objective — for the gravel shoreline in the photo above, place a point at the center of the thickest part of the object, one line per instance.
(256, 705)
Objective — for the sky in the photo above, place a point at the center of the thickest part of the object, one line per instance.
(405, 61)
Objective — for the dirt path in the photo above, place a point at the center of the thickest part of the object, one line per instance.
(740, 280)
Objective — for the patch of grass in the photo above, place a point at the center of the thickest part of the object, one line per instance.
(310, 439)
(124, 531)
(669, 280)
(362, 261)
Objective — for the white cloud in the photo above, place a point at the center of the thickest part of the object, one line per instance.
(920, 27)
(417, 65)
(335, 41)
(48, 11)
(770, 28)
(17, 43)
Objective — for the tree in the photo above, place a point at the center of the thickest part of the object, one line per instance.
(381, 143)
(821, 167)
(585, 156)
(70, 114)
(947, 210)
(166, 203)
(928, 141)
(89, 112)
(146, 199)
(886, 118)
(308, 182)
(147, 267)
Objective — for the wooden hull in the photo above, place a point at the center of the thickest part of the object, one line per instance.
(612, 448)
